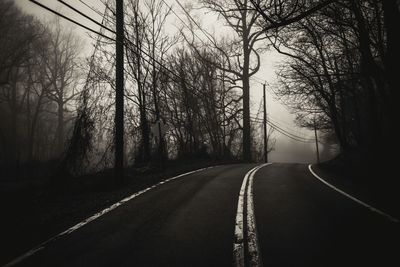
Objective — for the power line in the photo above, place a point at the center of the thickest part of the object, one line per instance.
(105, 36)
(97, 11)
(184, 23)
(279, 124)
(119, 99)
(92, 8)
(279, 129)
(186, 12)
(91, 63)
(286, 126)
(282, 124)
(289, 133)
(141, 50)
(207, 34)
(195, 22)
(276, 120)
(71, 20)
(289, 136)
(284, 132)
(86, 16)
(130, 42)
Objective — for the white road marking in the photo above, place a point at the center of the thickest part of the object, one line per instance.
(94, 217)
(251, 237)
(391, 218)
(252, 240)
(24, 256)
(238, 245)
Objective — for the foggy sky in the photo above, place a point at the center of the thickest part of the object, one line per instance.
(286, 149)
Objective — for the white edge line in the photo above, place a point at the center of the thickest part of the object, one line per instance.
(391, 218)
(95, 216)
(252, 239)
(24, 256)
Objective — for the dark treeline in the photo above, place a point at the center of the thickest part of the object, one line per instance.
(39, 81)
(55, 105)
(341, 73)
(190, 98)
(179, 105)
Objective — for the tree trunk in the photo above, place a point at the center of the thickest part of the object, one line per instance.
(60, 128)
(246, 105)
(373, 83)
(32, 132)
(14, 118)
(392, 56)
(161, 151)
(144, 148)
(144, 127)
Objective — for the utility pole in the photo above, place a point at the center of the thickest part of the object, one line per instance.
(119, 93)
(316, 140)
(265, 127)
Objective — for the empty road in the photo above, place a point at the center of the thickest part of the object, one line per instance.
(285, 217)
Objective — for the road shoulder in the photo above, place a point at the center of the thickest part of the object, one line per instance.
(44, 212)
(375, 188)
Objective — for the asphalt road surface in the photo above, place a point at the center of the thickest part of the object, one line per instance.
(190, 221)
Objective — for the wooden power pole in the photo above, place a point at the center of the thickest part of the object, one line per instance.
(316, 140)
(119, 93)
(265, 127)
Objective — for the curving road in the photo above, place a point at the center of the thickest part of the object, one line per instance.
(193, 221)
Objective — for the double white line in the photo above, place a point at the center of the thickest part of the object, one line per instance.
(245, 246)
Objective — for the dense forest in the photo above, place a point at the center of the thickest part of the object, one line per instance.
(341, 73)
(186, 98)
(40, 79)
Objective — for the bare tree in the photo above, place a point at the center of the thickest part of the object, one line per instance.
(244, 20)
(38, 69)
(15, 45)
(37, 93)
(157, 43)
(337, 71)
(19, 37)
(62, 72)
(202, 109)
(146, 49)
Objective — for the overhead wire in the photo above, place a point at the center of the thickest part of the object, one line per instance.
(284, 132)
(281, 129)
(109, 38)
(91, 8)
(146, 53)
(110, 30)
(183, 22)
(273, 125)
(70, 20)
(281, 124)
(206, 33)
(86, 16)
(102, 35)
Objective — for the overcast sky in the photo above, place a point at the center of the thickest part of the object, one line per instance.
(286, 149)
